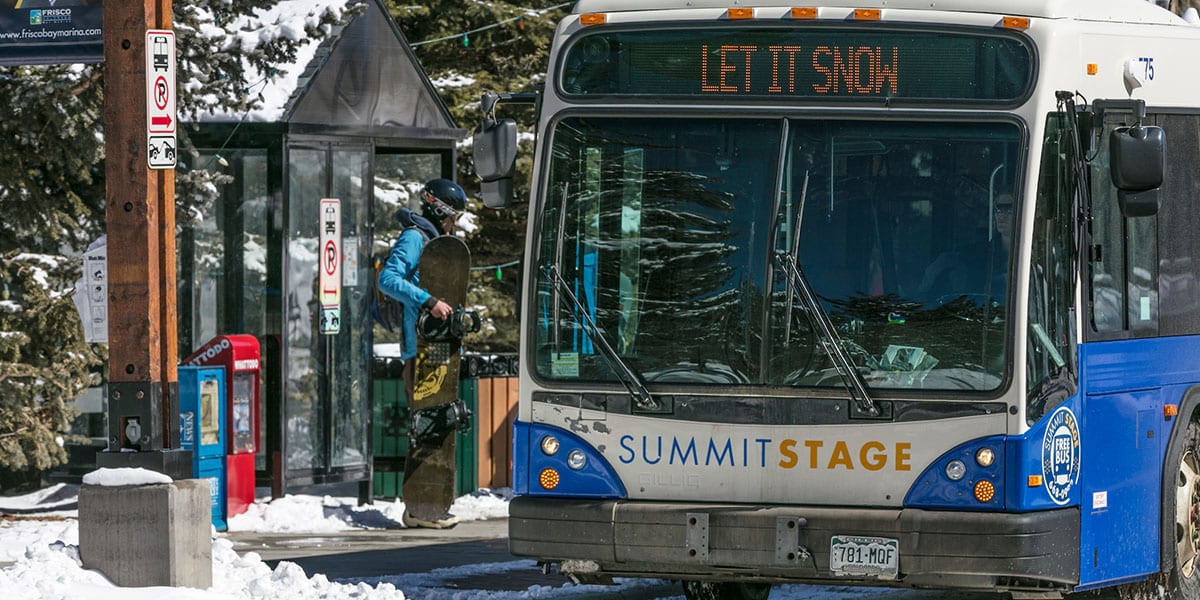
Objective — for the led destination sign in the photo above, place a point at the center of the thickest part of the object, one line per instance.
(800, 62)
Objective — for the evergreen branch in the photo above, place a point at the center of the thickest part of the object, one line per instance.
(14, 433)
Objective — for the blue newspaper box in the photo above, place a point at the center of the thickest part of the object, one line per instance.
(202, 430)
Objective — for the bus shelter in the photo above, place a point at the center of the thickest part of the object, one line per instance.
(360, 122)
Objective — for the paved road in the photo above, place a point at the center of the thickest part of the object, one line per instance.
(474, 556)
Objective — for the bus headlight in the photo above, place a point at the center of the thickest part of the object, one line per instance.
(984, 457)
(955, 470)
(549, 445)
(576, 459)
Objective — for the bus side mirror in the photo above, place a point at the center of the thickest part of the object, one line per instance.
(495, 144)
(1137, 167)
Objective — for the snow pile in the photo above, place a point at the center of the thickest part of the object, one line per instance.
(124, 476)
(482, 505)
(18, 535)
(55, 571)
(249, 577)
(328, 514)
(310, 514)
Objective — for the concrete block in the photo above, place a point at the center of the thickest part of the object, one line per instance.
(148, 535)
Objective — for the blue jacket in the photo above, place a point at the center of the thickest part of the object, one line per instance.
(399, 280)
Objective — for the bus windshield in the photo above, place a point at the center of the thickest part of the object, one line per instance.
(670, 231)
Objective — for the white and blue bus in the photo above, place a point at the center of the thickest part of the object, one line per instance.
(888, 292)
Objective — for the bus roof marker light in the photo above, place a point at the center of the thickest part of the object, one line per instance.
(804, 13)
(867, 14)
(1021, 23)
(1093, 68)
(593, 19)
(740, 13)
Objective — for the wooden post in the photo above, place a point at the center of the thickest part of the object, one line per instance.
(140, 211)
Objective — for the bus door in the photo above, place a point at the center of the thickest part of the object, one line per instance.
(1123, 429)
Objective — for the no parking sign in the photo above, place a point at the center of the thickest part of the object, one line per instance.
(161, 145)
(329, 265)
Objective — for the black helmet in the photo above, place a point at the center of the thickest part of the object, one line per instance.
(441, 198)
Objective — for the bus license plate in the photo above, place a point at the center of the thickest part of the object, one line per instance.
(865, 556)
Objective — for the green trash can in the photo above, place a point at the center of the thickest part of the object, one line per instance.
(466, 474)
(389, 424)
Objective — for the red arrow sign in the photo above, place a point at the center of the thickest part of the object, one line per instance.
(164, 120)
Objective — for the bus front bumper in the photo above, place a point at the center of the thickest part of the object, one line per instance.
(594, 540)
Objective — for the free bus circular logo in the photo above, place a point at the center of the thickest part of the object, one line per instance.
(1060, 455)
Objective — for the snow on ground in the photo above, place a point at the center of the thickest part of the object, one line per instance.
(311, 514)
(43, 548)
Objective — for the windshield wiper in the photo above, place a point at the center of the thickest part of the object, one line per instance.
(855, 384)
(629, 378)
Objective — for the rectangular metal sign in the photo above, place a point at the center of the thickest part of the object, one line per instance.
(45, 32)
(329, 266)
(161, 145)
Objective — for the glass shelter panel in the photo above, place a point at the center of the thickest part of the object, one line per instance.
(255, 217)
(348, 348)
(202, 274)
(670, 234)
(304, 370)
(223, 267)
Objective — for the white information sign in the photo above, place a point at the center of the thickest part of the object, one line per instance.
(161, 144)
(329, 265)
(91, 293)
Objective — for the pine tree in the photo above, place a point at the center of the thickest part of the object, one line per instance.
(44, 364)
(52, 197)
(490, 47)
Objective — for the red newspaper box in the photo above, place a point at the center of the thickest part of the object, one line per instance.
(239, 354)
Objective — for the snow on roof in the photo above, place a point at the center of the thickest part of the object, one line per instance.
(1138, 11)
(285, 19)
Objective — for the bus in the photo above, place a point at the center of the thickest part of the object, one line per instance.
(874, 292)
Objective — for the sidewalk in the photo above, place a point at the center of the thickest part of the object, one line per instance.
(369, 555)
(287, 546)
(471, 556)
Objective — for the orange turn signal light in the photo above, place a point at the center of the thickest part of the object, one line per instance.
(1021, 23)
(1170, 410)
(548, 479)
(984, 491)
(593, 19)
(1035, 481)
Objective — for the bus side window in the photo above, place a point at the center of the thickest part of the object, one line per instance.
(1050, 351)
(1178, 244)
(1123, 259)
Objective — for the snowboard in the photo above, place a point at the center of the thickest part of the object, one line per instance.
(436, 415)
